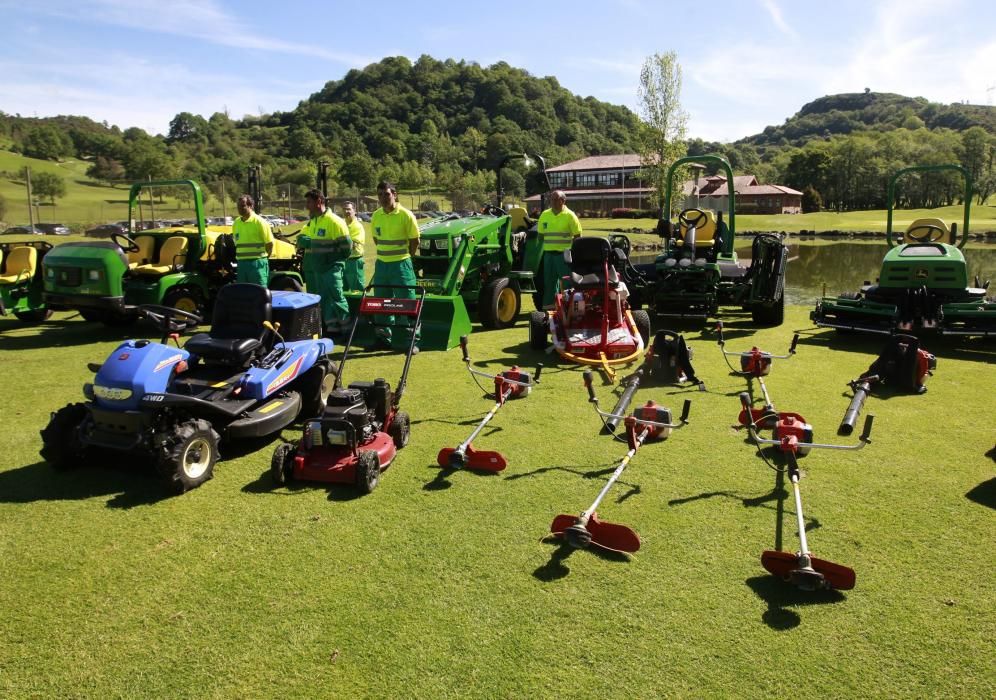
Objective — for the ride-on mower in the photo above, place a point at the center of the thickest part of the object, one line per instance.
(21, 280)
(511, 384)
(793, 437)
(650, 421)
(698, 271)
(592, 322)
(357, 433)
(174, 404)
(923, 284)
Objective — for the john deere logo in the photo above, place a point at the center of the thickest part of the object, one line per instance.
(921, 273)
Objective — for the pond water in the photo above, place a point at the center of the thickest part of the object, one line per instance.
(843, 266)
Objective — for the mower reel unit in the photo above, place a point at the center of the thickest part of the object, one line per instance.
(650, 421)
(510, 384)
(802, 569)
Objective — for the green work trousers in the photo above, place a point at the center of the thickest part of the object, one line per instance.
(401, 272)
(323, 276)
(256, 271)
(554, 267)
(354, 279)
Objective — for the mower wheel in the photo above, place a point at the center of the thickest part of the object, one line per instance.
(190, 455)
(33, 316)
(769, 314)
(367, 471)
(642, 320)
(400, 429)
(538, 327)
(316, 385)
(187, 299)
(499, 303)
(282, 463)
(62, 441)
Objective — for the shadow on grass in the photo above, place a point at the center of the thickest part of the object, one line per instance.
(556, 568)
(600, 473)
(441, 481)
(126, 485)
(985, 493)
(949, 347)
(66, 332)
(781, 596)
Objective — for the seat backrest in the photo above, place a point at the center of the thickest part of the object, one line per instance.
(588, 255)
(146, 249)
(22, 259)
(174, 251)
(926, 231)
(517, 218)
(239, 311)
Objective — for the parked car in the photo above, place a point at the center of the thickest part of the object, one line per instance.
(363, 216)
(107, 230)
(220, 221)
(23, 231)
(54, 229)
(275, 220)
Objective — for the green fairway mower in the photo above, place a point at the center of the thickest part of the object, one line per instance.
(650, 421)
(698, 271)
(21, 284)
(923, 284)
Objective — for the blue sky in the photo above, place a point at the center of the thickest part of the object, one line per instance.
(745, 64)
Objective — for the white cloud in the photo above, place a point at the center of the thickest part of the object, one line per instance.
(775, 13)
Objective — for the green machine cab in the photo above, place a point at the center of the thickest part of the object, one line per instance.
(923, 284)
(21, 280)
(698, 271)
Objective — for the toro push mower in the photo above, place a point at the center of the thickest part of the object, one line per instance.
(650, 421)
(359, 430)
(592, 322)
(511, 384)
(174, 404)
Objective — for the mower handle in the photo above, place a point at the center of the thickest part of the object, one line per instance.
(719, 329)
(588, 385)
(463, 348)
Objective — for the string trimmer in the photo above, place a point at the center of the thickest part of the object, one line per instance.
(650, 421)
(510, 384)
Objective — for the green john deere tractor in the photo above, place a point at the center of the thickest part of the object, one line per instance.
(923, 284)
(178, 266)
(21, 280)
(698, 271)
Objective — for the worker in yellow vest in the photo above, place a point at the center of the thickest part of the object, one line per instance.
(253, 244)
(326, 244)
(395, 233)
(558, 226)
(354, 278)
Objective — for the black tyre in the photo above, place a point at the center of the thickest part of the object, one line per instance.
(367, 471)
(769, 314)
(92, 314)
(642, 320)
(400, 429)
(282, 464)
(187, 299)
(33, 316)
(538, 326)
(316, 385)
(190, 454)
(62, 438)
(285, 283)
(499, 304)
(118, 319)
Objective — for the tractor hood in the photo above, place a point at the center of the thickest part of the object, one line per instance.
(934, 265)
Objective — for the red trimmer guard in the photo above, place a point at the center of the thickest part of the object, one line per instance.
(610, 536)
(476, 460)
(785, 566)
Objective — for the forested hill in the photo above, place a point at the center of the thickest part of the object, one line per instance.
(871, 111)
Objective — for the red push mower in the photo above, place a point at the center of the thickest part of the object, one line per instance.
(649, 422)
(361, 429)
(511, 384)
(592, 323)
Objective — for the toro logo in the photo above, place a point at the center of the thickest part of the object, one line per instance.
(285, 376)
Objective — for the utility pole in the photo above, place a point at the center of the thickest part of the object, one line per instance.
(31, 216)
(224, 204)
(152, 206)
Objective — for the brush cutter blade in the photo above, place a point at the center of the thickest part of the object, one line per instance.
(819, 575)
(476, 460)
(610, 536)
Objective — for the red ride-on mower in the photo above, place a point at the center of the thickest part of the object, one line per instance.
(510, 384)
(650, 421)
(592, 322)
(361, 429)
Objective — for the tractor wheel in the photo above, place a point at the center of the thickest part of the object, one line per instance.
(367, 471)
(642, 320)
(33, 316)
(499, 304)
(316, 385)
(285, 283)
(187, 299)
(282, 464)
(190, 454)
(538, 327)
(62, 441)
(92, 314)
(769, 314)
(400, 429)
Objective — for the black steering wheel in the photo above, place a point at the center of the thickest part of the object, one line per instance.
(620, 242)
(926, 233)
(686, 217)
(128, 245)
(493, 210)
(168, 318)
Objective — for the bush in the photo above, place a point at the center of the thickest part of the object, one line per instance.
(429, 205)
(621, 213)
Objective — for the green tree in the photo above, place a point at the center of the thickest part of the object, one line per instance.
(106, 170)
(48, 185)
(664, 121)
(3, 207)
(47, 142)
(811, 200)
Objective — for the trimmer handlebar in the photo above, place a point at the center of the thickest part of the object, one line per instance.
(685, 410)
(795, 341)
(589, 386)
(864, 439)
(463, 348)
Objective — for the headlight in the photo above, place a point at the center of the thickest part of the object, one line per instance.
(456, 241)
(50, 272)
(424, 244)
(94, 275)
(111, 393)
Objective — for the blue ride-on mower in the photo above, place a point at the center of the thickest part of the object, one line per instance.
(260, 367)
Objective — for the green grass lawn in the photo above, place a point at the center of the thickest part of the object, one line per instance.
(438, 585)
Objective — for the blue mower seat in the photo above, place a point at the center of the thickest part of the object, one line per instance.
(237, 330)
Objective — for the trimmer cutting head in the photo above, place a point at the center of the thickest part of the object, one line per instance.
(475, 460)
(609, 536)
(808, 572)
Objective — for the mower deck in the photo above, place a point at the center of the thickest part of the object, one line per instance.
(337, 464)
